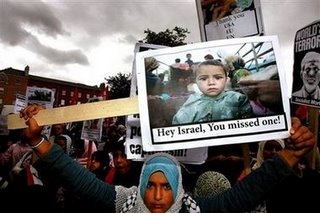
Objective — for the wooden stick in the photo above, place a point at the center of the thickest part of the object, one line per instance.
(246, 158)
(313, 117)
(81, 112)
(89, 153)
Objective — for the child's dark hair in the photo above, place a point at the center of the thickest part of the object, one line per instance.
(213, 63)
(101, 156)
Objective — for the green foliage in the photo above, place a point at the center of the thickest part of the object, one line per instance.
(171, 38)
(119, 85)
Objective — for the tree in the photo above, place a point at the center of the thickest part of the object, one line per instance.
(171, 38)
(119, 85)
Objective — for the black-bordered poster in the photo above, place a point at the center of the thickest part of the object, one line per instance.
(306, 67)
(188, 100)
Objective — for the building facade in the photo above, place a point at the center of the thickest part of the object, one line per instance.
(14, 82)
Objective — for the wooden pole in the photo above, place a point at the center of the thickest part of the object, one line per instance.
(246, 158)
(81, 112)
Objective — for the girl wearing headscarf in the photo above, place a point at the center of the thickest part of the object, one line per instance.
(143, 200)
(268, 149)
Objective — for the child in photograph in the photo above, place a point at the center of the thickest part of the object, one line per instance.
(214, 102)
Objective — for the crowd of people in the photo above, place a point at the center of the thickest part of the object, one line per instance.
(65, 173)
(117, 184)
(20, 179)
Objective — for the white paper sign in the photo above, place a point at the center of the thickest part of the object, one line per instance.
(135, 151)
(229, 19)
(157, 110)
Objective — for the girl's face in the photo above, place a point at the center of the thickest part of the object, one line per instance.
(211, 79)
(121, 163)
(158, 196)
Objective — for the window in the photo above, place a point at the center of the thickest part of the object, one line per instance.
(63, 92)
(18, 82)
(79, 94)
(63, 102)
(71, 94)
(16, 92)
(88, 96)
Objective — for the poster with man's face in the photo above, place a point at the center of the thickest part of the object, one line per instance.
(212, 93)
(306, 68)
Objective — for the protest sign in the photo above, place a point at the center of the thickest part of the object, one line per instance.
(42, 96)
(306, 67)
(306, 78)
(158, 108)
(225, 19)
(92, 129)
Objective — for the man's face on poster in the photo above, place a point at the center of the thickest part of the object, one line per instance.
(310, 71)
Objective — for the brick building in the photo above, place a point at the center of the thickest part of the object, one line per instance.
(14, 82)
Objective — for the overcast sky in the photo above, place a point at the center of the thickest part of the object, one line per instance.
(85, 41)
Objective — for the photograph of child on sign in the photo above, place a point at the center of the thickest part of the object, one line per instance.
(232, 92)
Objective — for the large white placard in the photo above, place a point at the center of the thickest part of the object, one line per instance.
(262, 56)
